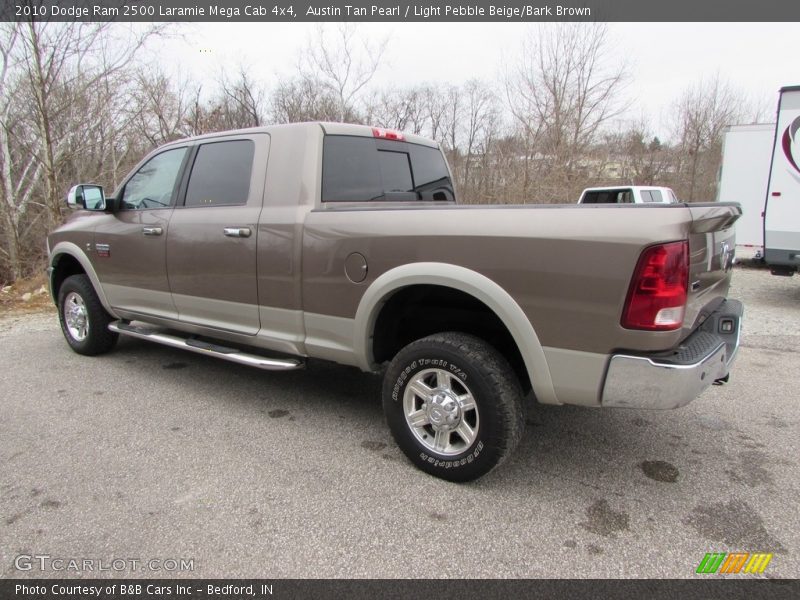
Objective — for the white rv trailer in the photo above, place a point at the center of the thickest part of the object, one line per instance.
(782, 208)
(743, 178)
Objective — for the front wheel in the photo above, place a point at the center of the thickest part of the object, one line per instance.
(84, 321)
(454, 405)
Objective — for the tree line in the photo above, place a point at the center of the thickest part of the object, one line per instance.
(79, 104)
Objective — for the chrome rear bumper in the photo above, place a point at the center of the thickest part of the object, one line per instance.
(673, 379)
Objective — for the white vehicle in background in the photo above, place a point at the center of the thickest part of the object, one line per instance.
(782, 206)
(743, 178)
(631, 194)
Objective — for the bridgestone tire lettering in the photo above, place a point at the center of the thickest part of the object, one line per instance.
(495, 390)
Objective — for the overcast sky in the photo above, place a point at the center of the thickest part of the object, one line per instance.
(664, 58)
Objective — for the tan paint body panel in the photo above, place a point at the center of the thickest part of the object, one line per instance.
(557, 276)
(212, 276)
(568, 267)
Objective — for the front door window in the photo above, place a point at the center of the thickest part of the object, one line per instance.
(153, 185)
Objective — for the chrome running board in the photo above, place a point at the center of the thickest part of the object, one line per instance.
(209, 349)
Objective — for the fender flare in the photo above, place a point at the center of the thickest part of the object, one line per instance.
(470, 282)
(75, 252)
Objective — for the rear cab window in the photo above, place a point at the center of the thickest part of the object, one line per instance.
(621, 196)
(363, 169)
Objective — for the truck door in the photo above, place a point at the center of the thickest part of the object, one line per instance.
(211, 246)
(129, 252)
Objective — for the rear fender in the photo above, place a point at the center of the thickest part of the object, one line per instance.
(480, 287)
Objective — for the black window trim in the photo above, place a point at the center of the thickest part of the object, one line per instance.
(184, 183)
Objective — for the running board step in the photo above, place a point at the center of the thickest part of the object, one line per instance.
(209, 349)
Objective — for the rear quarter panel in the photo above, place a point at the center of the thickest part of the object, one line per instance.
(568, 267)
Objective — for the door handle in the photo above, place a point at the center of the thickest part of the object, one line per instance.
(152, 230)
(240, 232)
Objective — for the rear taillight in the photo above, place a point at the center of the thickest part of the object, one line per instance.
(387, 134)
(657, 296)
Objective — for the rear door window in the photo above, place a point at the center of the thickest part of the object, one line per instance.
(361, 169)
(646, 196)
(656, 194)
(221, 174)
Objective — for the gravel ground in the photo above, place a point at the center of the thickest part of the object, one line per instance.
(771, 308)
(18, 324)
(149, 452)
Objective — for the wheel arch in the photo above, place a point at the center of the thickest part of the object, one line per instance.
(475, 285)
(68, 259)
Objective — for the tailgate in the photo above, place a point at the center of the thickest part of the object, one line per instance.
(712, 242)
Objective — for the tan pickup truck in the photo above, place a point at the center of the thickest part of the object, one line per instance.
(344, 242)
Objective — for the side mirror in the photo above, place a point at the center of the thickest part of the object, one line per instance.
(88, 196)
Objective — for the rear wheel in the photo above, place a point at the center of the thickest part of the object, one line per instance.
(84, 321)
(454, 405)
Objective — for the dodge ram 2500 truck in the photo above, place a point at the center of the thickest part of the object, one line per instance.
(344, 242)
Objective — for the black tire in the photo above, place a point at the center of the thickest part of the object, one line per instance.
(97, 339)
(470, 364)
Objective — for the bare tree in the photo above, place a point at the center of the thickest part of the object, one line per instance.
(479, 120)
(304, 99)
(561, 94)
(451, 120)
(64, 92)
(241, 102)
(434, 102)
(401, 109)
(61, 62)
(19, 169)
(162, 106)
(761, 108)
(701, 113)
(643, 158)
(343, 63)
